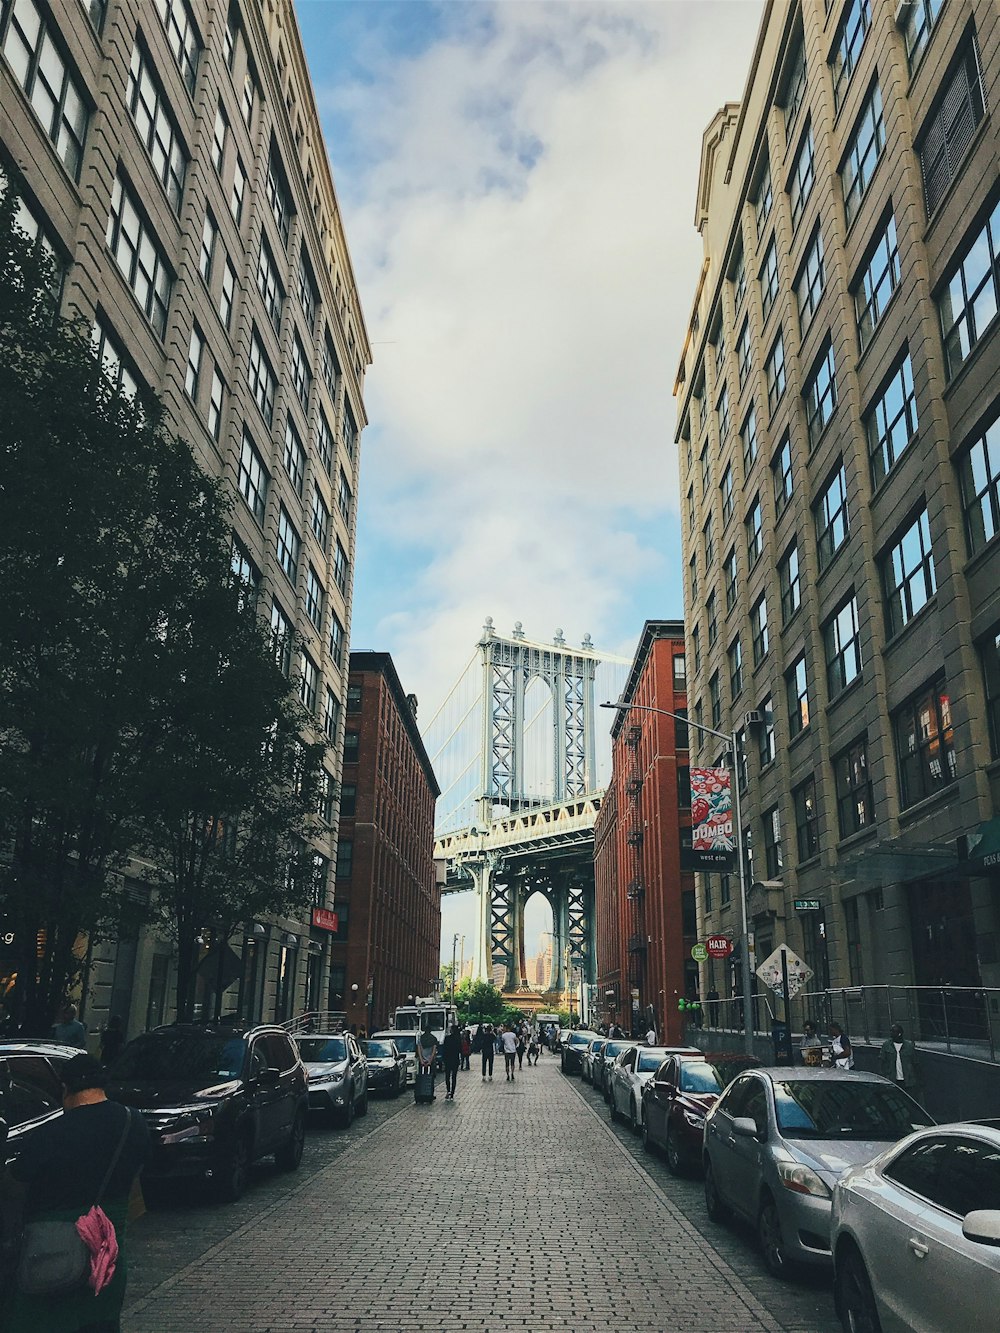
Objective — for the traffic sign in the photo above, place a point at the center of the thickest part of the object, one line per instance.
(719, 946)
(699, 953)
(770, 971)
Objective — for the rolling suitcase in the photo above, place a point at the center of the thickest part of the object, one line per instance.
(423, 1087)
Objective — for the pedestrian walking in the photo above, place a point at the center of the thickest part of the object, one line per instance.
(508, 1042)
(112, 1040)
(68, 1029)
(466, 1048)
(898, 1060)
(89, 1155)
(487, 1049)
(651, 1036)
(533, 1050)
(522, 1046)
(451, 1057)
(840, 1047)
(427, 1050)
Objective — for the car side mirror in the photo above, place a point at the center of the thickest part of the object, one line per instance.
(982, 1226)
(269, 1078)
(744, 1127)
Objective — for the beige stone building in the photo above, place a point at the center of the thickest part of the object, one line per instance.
(174, 161)
(839, 452)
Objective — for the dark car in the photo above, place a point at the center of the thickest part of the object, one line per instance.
(603, 1061)
(30, 1091)
(216, 1097)
(338, 1074)
(676, 1100)
(386, 1066)
(572, 1048)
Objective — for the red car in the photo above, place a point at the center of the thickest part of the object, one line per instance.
(676, 1100)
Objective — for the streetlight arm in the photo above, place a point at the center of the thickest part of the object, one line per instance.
(678, 717)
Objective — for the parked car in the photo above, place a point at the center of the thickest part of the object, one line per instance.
(605, 1059)
(216, 1097)
(406, 1043)
(30, 1091)
(590, 1053)
(386, 1065)
(778, 1140)
(916, 1234)
(338, 1074)
(571, 1048)
(676, 1100)
(634, 1067)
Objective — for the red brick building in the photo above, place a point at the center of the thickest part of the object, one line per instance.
(388, 939)
(645, 910)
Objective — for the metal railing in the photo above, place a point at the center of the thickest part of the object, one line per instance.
(323, 1021)
(963, 1020)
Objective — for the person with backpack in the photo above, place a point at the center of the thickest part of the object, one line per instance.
(451, 1056)
(486, 1045)
(466, 1049)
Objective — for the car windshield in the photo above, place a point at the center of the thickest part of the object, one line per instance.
(649, 1062)
(700, 1077)
(406, 1041)
(580, 1039)
(322, 1050)
(835, 1109)
(169, 1056)
(597, 1046)
(377, 1050)
(614, 1048)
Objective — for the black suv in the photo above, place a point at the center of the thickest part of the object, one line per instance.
(216, 1097)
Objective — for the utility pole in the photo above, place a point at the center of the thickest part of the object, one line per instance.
(454, 951)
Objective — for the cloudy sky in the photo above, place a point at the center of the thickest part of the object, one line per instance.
(518, 180)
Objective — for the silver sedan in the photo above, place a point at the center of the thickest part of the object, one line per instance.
(916, 1234)
(633, 1068)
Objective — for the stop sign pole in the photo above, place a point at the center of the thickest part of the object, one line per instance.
(732, 742)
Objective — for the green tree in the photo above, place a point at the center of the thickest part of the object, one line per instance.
(480, 1000)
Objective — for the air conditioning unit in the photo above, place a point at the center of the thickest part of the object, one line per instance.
(754, 718)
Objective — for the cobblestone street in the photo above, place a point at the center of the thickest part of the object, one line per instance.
(517, 1207)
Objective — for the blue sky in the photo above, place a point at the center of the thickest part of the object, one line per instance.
(517, 180)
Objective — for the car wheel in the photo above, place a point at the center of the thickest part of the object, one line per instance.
(647, 1141)
(234, 1172)
(717, 1210)
(288, 1157)
(613, 1109)
(633, 1118)
(772, 1246)
(363, 1108)
(400, 1083)
(854, 1295)
(347, 1114)
(675, 1161)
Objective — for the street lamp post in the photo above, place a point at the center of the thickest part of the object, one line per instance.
(731, 739)
(454, 952)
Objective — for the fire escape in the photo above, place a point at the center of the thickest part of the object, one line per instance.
(635, 892)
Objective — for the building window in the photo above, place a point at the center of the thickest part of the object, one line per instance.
(281, 638)
(156, 126)
(713, 620)
(680, 671)
(919, 18)
(726, 491)
(855, 796)
(690, 510)
(744, 352)
(229, 41)
(852, 934)
(891, 421)
(276, 189)
(806, 820)
(182, 38)
(247, 99)
(696, 648)
(41, 69)
(831, 517)
(945, 140)
(765, 740)
(331, 367)
(95, 10)
(708, 542)
(192, 373)
(878, 280)
(308, 682)
(295, 457)
(979, 471)
(345, 498)
(681, 741)
(268, 285)
(238, 192)
(352, 742)
(706, 471)
(139, 257)
(336, 641)
(324, 443)
(320, 519)
(245, 572)
(796, 89)
(774, 369)
(759, 630)
(735, 669)
(810, 281)
(769, 278)
(820, 394)
(989, 651)
(348, 800)
(288, 546)
(908, 574)
(331, 715)
(227, 296)
(215, 404)
(301, 374)
(345, 863)
(781, 470)
(720, 352)
(253, 478)
(261, 377)
(842, 645)
(754, 527)
(693, 578)
(763, 200)
(307, 289)
(803, 175)
(863, 152)
(730, 575)
(220, 133)
(925, 744)
(850, 39)
(314, 597)
(739, 280)
(722, 412)
(748, 439)
(788, 577)
(715, 699)
(797, 690)
(340, 567)
(112, 362)
(209, 235)
(968, 304)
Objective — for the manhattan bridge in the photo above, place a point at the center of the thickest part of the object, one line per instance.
(523, 760)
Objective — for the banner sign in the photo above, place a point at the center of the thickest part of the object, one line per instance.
(325, 919)
(713, 843)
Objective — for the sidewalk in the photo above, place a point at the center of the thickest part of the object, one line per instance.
(512, 1209)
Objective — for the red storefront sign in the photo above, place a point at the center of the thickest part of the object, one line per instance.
(325, 919)
(718, 946)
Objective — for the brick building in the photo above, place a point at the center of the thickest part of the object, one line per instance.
(644, 904)
(388, 940)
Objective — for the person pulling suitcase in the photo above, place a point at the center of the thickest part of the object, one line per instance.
(427, 1050)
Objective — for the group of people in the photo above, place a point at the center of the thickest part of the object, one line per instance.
(897, 1057)
(513, 1041)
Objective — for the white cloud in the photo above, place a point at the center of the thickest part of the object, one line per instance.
(526, 259)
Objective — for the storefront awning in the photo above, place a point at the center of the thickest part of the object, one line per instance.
(884, 863)
(983, 849)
